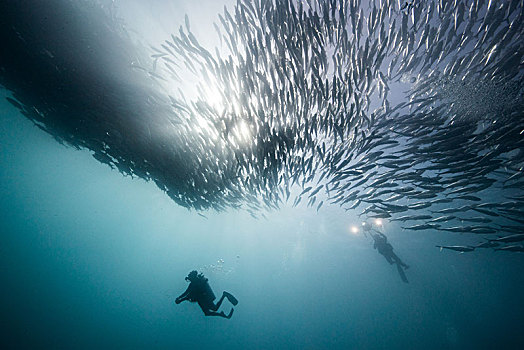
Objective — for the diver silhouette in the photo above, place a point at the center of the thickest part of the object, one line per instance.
(200, 291)
(381, 244)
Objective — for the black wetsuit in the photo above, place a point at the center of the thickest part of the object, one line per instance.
(200, 291)
(384, 248)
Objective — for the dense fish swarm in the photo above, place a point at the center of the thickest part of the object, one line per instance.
(411, 111)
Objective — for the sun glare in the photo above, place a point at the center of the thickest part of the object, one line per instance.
(213, 97)
(243, 131)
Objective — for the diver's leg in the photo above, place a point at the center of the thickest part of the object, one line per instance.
(208, 310)
(399, 262)
(214, 313)
(215, 307)
(389, 259)
(221, 313)
(402, 274)
(231, 298)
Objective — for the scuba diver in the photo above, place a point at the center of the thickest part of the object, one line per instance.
(381, 244)
(200, 291)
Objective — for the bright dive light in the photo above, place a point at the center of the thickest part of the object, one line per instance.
(354, 229)
(378, 222)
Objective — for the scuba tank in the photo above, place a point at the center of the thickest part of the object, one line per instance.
(202, 290)
(207, 292)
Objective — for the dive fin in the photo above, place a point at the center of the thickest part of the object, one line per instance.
(402, 274)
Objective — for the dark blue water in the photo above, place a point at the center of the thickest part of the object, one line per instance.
(92, 259)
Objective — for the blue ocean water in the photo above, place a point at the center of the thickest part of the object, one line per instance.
(92, 259)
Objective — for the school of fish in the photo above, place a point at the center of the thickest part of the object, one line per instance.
(410, 111)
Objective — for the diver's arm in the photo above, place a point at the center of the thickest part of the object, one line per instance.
(183, 296)
(378, 232)
(382, 235)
